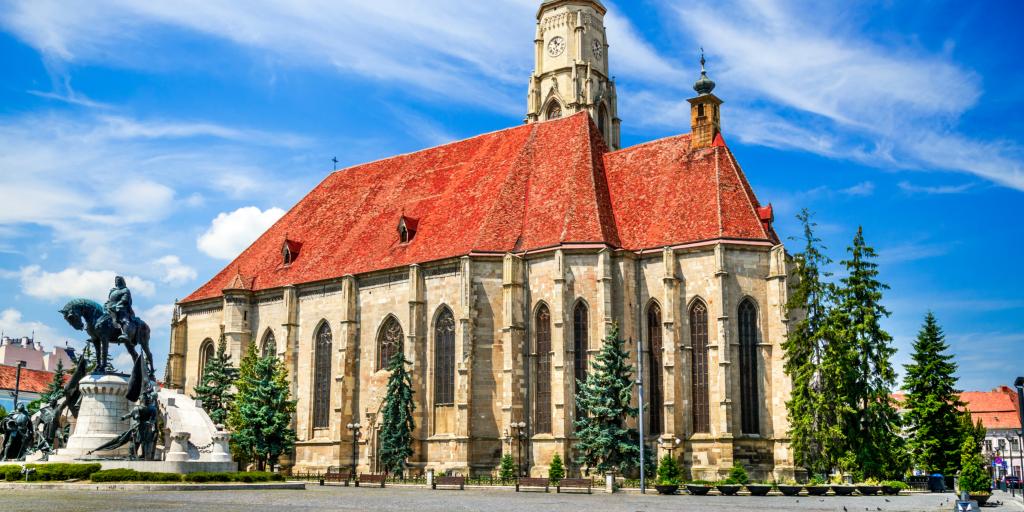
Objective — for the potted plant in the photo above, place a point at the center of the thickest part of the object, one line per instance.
(817, 486)
(789, 487)
(869, 487)
(893, 487)
(973, 477)
(734, 482)
(669, 475)
(840, 487)
(760, 488)
(698, 487)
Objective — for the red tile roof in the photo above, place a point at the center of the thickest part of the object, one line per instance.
(524, 188)
(34, 381)
(997, 409)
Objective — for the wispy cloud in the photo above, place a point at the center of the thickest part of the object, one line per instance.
(911, 188)
(862, 189)
(906, 252)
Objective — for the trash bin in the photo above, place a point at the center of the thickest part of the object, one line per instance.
(936, 483)
(1002, 485)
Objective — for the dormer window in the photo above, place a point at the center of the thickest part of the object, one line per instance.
(289, 251)
(406, 229)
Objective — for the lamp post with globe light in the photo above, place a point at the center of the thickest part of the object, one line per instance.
(354, 428)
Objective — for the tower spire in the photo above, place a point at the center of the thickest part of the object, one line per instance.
(703, 85)
(704, 111)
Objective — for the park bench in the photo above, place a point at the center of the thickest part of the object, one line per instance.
(574, 484)
(337, 475)
(369, 478)
(534, 483)
(450, 481)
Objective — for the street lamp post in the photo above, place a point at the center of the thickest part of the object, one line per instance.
(670, 446)
(518, 432)
(354, 428)
(17, 382)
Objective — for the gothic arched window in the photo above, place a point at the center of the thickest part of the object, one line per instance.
(554, 110)
(269, 345)
(205, 354)
(655, 367)
(750, 420)
(699, 367)
(542, 425)
(602, 120)
(579, 341)
(322, 377)
(444, 358)
(389, 342)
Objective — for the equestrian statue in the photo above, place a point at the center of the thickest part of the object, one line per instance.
(113, 323)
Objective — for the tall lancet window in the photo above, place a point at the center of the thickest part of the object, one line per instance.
(655, 368)
(269, 346)
(750, 421)
(206, 352)
(699, 367)
(389, 342)
(579, 341)
(542, 424)
(322, 377)
(444, 358)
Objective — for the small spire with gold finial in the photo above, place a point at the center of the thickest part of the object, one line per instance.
(704, 85)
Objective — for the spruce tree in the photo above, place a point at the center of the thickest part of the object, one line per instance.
(973, 477)
(507, 471)
(55, 389)
(865, 376)
(932, 403)
(398, 423)
(214, 388)
(809, 406)
(604, 442)
(556, 472)
(262, 411)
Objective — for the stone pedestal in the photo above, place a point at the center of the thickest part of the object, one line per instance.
(99, 418)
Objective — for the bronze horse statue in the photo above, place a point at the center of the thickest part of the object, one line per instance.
(89, 316)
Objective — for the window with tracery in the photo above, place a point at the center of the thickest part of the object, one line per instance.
(554, 110)
(269, 345)
(389, 342)
(322, 377)
(542, 425)
(750, 417)
(699, 367)
(444, 359)
(579, 341)
(657, 391)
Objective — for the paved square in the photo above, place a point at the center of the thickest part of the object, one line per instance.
(419, 499)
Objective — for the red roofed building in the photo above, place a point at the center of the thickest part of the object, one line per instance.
(999, 413)
(30, 386)
(498, 264)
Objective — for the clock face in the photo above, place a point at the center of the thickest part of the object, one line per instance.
(598, 49)
(556, 46)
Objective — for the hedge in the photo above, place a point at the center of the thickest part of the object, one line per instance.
(247, 477)
(130, 475)
(54, 472)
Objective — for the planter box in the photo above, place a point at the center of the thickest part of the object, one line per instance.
(817, 490)
(843, 490)
(729, 490)
(667, 489)
(890, 491)
(981, 498)
(790, 490)
(868, 490)
(698, 490)
(759, 489)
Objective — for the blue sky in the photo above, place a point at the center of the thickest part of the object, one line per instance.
(156, 139)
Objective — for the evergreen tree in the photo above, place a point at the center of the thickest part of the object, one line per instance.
(398, 423)
(556, 472)
(810, 410)
(932, 402)
(262, 411)
(973, 477)
(214, 388)
(968, 428)
(669, 472)
(604, 443)
(3, 412)
(55, 389)
(507, 470)
(861, 351)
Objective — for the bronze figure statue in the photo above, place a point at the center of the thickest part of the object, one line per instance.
(141, 435)
(113, 323)
(17, 430)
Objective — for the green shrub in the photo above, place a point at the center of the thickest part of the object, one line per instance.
(507, 471)
(737, 476)
(973, 477)
(700, 482)
(54, 472)
(896, 484)
(669, 472)
(245, 477)
(11, 472)
(203, 477)
(130, 475)
(557, 470)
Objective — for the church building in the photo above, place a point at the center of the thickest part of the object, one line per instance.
(498, 263)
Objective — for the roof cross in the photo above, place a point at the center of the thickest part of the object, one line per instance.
(335, 160)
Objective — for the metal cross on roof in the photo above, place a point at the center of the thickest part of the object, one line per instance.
(335, 160)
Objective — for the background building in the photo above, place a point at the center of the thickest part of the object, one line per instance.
(998, 411)
(13, 350)
(497, 264)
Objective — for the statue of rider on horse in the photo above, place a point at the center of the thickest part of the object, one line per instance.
(114, 322)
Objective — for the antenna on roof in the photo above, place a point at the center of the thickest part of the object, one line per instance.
(335, 160)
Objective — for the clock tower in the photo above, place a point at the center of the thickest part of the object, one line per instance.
(571, 66)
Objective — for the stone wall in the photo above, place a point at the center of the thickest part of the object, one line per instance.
(493, 300)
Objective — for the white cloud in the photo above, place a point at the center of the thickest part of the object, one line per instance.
(906, 252)
(174, 271)
(862, 189)
(158, 316)
(232, 232)
(911, 188)
(13, 324)
(74, 282)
